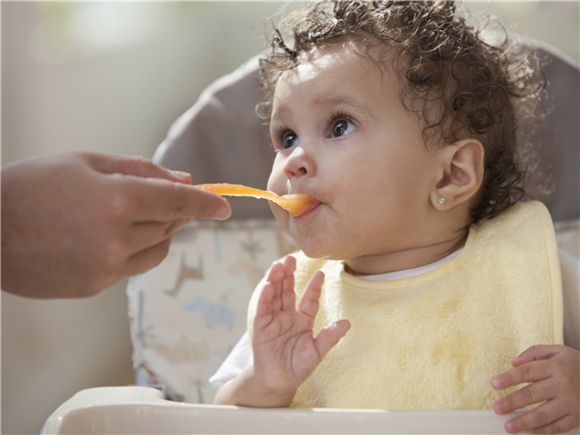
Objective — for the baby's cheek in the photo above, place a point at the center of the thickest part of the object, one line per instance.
(277, 182)
(280, 215)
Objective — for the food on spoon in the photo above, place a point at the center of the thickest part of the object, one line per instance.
(294, 203)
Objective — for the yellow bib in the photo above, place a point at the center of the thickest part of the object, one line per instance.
(435, 341)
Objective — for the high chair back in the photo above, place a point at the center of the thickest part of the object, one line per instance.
(189, 311)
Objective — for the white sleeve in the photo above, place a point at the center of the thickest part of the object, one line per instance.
(570, 267)
(239, 359)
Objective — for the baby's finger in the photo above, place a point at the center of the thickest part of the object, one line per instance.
(533, 393)
(290, 264)
(543, 415)
(276, 272)
(310, 298)
(288, 295)
(264, 312)
(331, 335)
(563, 424)
(530, 372)
(276, 277)
(265, 301)
(535, 353)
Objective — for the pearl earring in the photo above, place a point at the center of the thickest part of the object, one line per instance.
(441, 200)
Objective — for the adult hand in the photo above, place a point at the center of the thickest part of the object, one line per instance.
(72, 225)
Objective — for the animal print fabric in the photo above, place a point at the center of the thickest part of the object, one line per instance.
(188, 313)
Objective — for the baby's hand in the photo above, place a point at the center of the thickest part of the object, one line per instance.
(552, 373)
(285, 352)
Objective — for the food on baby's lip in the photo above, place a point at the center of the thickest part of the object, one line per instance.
(294, 203)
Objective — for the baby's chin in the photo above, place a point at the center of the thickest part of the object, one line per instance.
(311, 247)
(319, 252)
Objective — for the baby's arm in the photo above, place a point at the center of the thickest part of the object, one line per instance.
(285, 351)
(553, 376)
(246, 390)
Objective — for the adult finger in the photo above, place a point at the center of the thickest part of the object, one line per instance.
(543, 415)
(535, 353)
(532, 393)
(133, 165)
(147, 259)
(530, 372)
(164, 201)
(144, 235)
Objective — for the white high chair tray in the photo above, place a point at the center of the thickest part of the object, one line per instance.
(142, 410)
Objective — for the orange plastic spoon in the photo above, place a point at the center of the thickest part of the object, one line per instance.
(294, 203)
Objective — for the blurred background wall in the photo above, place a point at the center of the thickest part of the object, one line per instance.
(112, 77)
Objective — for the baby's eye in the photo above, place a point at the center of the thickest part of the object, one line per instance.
(342, 127)
(288, 139)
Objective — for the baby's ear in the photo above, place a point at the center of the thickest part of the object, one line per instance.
(460, 174)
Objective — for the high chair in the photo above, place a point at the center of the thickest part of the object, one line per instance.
(188, 312)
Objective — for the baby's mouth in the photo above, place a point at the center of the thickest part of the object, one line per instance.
(314, 205)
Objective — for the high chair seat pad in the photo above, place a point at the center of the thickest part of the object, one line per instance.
(188, 313)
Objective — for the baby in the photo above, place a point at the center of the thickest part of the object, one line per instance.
(422, 277)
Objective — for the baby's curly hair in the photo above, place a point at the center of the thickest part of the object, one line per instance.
(460, 85)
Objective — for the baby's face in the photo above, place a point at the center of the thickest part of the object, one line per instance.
(342, 136)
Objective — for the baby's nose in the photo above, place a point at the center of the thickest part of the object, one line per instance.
(299, 163)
